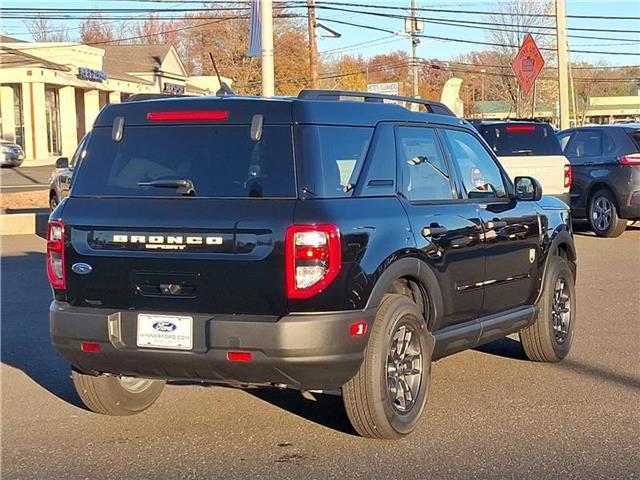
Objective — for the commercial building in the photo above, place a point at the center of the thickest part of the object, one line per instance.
(50, 93)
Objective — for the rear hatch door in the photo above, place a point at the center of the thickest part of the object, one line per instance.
(155, 245)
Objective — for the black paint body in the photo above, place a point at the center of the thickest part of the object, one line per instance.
(476, 271)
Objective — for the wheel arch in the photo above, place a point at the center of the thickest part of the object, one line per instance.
(562, 245)
(599, 185)
(414, 278)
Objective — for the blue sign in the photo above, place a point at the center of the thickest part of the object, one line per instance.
(93, 75)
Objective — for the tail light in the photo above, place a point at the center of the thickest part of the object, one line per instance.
(198, 115)
(313, 259)
(568, 176)
(631, 159)
(55, 254)
(521, 128)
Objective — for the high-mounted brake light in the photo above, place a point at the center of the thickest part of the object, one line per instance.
(55, 255)
(568, 176)
(198, 115)
(521, 128)
(312, 257)
(631, 159)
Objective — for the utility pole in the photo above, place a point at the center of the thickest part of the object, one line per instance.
(415, 41)
(313, 46)
(563, 69)
(266, 39)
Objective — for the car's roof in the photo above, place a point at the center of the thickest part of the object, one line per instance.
(278, 110)
(626, 126)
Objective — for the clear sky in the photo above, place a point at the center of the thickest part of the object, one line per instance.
(436, 49)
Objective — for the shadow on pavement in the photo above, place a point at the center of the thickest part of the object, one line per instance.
(509, 348)
(327, 410)
(25, 326)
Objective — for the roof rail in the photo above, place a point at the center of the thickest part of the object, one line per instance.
(430, 106)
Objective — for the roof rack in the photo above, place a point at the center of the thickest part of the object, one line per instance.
(430, 106)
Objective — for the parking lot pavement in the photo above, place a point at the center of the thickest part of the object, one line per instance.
(24, 179)
(491, 413)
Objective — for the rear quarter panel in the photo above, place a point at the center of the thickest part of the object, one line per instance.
(374, 233)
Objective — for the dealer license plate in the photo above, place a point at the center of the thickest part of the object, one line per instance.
(165, 331)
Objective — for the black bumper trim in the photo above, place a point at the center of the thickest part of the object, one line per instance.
(308, 351)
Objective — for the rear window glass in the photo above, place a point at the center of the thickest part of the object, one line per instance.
(521, 139)
(332, 158)
(220, 161)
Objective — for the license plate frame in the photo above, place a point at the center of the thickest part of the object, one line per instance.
(168, 332)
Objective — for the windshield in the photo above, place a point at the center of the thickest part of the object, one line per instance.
(521, 139)
(220, 161)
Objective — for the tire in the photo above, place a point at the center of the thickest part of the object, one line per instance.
(53, 202)
(603, 215)
(117, 396)
(549, 338)
(368, 396)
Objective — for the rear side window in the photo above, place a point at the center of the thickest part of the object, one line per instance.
(521, 139)
(635, 135)
(425, 175)
(220, 161)
(585, 143)
(331, 158)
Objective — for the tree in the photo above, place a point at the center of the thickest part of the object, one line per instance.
(95, 30)
(227, 38)
(42, 30)
(156, 31)
(345, 73)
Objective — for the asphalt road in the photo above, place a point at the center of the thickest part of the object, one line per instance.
(491, 413)
(24, 179)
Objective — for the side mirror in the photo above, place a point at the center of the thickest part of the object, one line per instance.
(62, 162)
(528, 189)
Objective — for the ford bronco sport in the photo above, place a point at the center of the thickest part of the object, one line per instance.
(310, 243)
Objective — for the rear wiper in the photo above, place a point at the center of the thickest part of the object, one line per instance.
(184, 186)
(526, 152)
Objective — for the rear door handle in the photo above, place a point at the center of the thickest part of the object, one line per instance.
(496, 224)
(433, 231)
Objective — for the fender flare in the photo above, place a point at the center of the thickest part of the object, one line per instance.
(419, 271)
(560, 237)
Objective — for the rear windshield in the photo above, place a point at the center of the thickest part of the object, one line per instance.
(521, 139)
(220, 161)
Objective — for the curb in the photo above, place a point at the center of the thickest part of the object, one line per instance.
(23, 223)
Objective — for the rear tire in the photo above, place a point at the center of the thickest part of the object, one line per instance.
(53, 202)
(603, 215)
(118, 396)
(387, 396)
(549, 338)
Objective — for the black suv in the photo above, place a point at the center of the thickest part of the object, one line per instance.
(605, 164)
(308, 242)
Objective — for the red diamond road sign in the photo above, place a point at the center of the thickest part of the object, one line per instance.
(528, 63)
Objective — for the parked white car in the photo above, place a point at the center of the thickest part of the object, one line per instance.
(530, 149)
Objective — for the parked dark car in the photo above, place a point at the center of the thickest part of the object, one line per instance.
(61, 176)
(308, 243)
(605, 165)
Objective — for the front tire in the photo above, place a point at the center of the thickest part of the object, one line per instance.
(603, 215)
(388, 394)
(110, 395)
(549, 338)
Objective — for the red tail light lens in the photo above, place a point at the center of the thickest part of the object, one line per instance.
(90, 347)
(199, 115)
(55, 255)
(631, 159)
(239, 356)
(568, 176)
(313, 259)
(521, 128)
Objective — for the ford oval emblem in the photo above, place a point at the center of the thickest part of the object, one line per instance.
(164, 326)
(82, 268)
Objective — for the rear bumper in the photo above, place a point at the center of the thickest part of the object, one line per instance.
(307, 351)
(631, 209)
